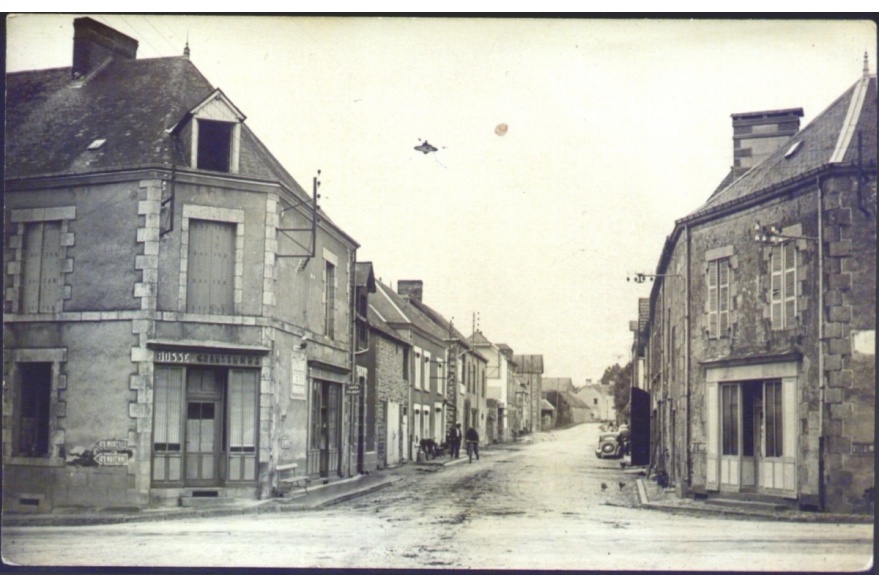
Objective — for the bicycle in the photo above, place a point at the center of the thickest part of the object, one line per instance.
(472, 450)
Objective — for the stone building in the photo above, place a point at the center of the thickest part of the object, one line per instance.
(177, 312)
(599, 401)
(759, 350)
(387, 393)
(529, 369)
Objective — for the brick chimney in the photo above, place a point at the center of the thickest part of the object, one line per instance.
(94, 43)
(410, 288)
(757, 134)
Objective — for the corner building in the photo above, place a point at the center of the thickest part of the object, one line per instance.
(177, 313)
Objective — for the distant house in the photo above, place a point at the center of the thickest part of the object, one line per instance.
(501, 387)
(570, 409)
(759, 353)
(387, 393)
(529, 369)
(599, 401)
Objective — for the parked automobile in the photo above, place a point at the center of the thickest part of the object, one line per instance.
(608, 446)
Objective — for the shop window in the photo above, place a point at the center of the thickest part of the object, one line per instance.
(34, 407)
(773, 418)
(41, 279)
(730, 419)
(718, 281)
(211, 267)
(167, 408)
(242, 431)
(783, 286)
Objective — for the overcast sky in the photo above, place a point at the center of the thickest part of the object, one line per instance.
(614, 129)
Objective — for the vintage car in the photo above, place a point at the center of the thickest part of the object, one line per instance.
(608, 446)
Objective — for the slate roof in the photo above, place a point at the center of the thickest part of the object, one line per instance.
(820, 144)
(398, 310)
(557, 384)
(130, 103)
(363, 275)
(566, 397)
(377, 322)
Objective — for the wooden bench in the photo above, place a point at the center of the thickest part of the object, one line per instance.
(287, 477)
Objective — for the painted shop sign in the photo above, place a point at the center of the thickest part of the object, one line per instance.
(202, 358)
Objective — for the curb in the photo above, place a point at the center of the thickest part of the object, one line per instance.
(733, 513)
(263, 507)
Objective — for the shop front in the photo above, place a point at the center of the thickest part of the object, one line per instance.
(206, 421)
(752, 429)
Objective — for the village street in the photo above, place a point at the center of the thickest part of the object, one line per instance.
(533, 506)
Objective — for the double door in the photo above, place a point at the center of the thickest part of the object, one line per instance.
(752, 436)
(204, 426)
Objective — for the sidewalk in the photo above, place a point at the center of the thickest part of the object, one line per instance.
(318, 496)
(652, 496)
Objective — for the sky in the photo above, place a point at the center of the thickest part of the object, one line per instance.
(566, 148)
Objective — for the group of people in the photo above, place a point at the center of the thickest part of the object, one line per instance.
(471, 437)
(453, 440)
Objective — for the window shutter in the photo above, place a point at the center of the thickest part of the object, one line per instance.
(211, 267)
(723, 296)
(790, 284)
(31, 272)
(776, 288)
(50, 268)
(712, 294)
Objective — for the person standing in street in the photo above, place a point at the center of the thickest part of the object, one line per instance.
(472, 438)
(455, 441)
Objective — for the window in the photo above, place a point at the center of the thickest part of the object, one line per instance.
(215, 145)
(405, 364)
(211, 267)
(167, 406)
(242, 424)
(35, 394)
(730, 419)
(329, 299)
(773, 418)
(719, 297)
(783, 286)
(41, 280)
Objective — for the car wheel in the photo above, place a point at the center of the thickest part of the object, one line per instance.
(608, 448)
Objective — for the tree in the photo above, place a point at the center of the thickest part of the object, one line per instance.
(620, 380)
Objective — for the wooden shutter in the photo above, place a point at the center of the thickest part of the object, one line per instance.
(790, 284)
(41, 274)
(32, 257)
(211, 267)
(712, 295)
(723, 296)
(776, 288)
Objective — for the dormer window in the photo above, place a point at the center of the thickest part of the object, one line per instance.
(211, 133)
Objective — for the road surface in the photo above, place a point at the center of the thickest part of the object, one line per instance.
(531, 506)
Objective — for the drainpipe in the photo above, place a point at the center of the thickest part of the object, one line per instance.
(687, 356)
(821, 344)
